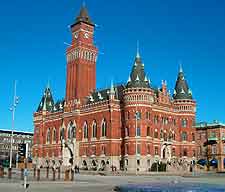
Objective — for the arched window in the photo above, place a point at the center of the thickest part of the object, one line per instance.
(161, 134)
(138, 132)
(185, 152)
(104, 128)
(71, 131)
(94, 129)
(155, 133)
(54, 136)
(184, 122)
(62, 134)
(48, 135)
(148, 148)
(193, 136)
(164, 136)
(126, 132)
(183, 136)
(148, 132)
(85, 130)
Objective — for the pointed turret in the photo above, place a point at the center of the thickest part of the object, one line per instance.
(182, 90)
(84, 16)
(47, 102)
(137, 76)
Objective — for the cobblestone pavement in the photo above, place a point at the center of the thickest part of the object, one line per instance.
(100, 183)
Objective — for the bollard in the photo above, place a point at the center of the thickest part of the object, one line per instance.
(59, 173)
(10, 173)
(38, 174)
(47, 172)
(72, 175)
(22, 174)
(35, 172)
(1, 172)
(67, 173)
(53, 173)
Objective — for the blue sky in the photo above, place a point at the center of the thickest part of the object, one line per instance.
(32, 49)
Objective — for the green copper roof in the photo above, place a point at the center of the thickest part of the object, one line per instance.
(83, 16)
(182, 90)
(137, 78)
(47, 102)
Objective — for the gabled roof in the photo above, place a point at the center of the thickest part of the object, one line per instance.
(103, 95)
(137, 78)
(47, 102)
(182, 90)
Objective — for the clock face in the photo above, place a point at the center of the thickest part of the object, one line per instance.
(86, 35)
(76, 35)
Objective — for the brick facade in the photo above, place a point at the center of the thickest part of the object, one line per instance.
(124, 127)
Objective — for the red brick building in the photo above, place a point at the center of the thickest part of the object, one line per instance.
(127, 126)
(210, 141)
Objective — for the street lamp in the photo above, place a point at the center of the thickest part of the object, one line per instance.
(12, 109)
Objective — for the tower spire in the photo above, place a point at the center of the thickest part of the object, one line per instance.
(181, 68)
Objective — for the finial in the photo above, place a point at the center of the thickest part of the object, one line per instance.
(181, 69)
(138, 54)
(112, 87)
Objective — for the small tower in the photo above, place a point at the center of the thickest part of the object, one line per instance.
(47, 102)
(112, 92)
(185, 104)
(137, 77)
(137, 99)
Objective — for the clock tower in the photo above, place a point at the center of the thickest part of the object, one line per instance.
(81, 59)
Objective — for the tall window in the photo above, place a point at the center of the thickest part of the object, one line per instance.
(156, 119)
(155, 133)
(138, 132)
(71, 131)
(147, 115)
(183, 136)
(164, 136)
(185, 152)
(103, 150)
(138, 149)
(62, 134)
(161, 134)
(94, 129)
(138, 115)
(54, 135)
(104, 128)
(48, 135)
(148, 131)
(193, 136)
(85, 130)
(184, 122)
(148, 148)
(127, 132)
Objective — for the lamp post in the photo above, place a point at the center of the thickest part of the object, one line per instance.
(12, 109)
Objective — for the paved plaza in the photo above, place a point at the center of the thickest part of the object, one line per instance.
(103, 183)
